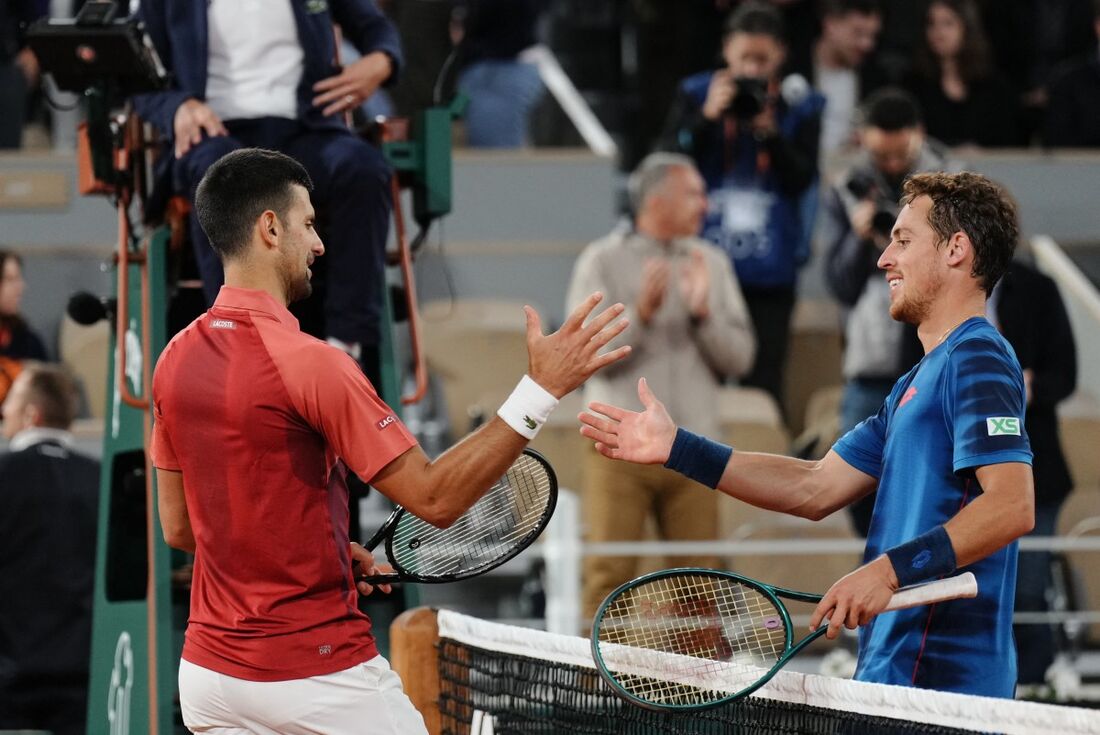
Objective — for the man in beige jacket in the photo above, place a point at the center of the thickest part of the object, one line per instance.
(689, 330)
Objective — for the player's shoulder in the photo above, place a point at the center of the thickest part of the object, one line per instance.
(978, 339)
(303, 357)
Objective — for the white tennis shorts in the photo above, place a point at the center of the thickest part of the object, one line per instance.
(364, 700)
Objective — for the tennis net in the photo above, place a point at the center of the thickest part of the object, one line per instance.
(503, 680)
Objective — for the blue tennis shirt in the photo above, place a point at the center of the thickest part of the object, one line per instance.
(961, 407)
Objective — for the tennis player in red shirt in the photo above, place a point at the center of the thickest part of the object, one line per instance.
(256, 426)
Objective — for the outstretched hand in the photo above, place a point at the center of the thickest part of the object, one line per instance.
(562, 361)
(644, 438)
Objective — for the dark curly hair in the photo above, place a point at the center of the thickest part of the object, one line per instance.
(970, 203)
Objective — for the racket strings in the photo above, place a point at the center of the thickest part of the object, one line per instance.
(690, 639)
(512, 510)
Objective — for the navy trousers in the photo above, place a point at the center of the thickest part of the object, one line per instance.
(351, 193)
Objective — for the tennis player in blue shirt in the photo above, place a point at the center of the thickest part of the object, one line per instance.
(946, 455)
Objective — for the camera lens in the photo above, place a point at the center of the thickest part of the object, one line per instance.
(752, 95)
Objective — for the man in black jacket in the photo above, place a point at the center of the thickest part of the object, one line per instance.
(48, 501)
(1028, 310)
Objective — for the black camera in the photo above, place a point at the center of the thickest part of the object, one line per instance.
(862, 185)
(750, 98)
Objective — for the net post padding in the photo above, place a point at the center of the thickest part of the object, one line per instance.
(414, 653)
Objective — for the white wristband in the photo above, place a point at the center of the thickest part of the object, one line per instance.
(528, 408)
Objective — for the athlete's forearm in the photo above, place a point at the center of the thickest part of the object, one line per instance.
(772, 482)
(809, 489)
(468, 469)
(440, 490)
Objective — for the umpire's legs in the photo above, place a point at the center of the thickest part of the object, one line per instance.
(351, 182)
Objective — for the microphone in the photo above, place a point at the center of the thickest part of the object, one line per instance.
(795, 89)
(87, 309)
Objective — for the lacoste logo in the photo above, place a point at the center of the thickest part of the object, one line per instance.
(530, 422)
(908, 396)
(222, 324)
(1003, 426)
(386, 422)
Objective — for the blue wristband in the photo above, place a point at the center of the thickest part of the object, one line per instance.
(928, 556)
(698, 458)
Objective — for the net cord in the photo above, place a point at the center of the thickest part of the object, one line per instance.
(918, 705)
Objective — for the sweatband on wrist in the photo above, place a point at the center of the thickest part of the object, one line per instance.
(528, 408)
(928, 556)
(698, 458)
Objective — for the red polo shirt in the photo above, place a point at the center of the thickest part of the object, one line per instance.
(261, 420)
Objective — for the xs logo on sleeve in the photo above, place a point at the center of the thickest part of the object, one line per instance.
(1003, 426)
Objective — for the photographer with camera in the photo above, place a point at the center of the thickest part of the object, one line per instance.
(754, 138)
(858, 213)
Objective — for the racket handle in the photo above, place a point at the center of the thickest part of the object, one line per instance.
(952, 588)
(375, 579)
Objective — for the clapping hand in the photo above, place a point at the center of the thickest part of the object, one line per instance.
(695, 285)
(651, 294)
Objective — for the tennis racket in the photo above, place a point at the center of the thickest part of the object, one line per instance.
(502, 523)
(690, 639)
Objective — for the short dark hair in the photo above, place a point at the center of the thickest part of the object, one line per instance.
(757, 19)
(238, 188)
(891, 109)
(52, 391)
(833, 8)
(970, 203)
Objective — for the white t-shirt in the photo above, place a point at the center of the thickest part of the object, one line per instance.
(841, 90)
(255, 59)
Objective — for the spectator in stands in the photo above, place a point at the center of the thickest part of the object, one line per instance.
(48, 511)
(502, 87)
(1073, 116)
(858, 213)
(755, 141)
(18, 342)
(1026, 308)
(19, 72)
(1030, 39)
(688, 327)
(258, 74)
(965, 100)
(841, 67)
